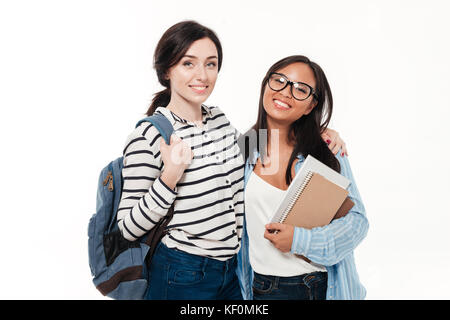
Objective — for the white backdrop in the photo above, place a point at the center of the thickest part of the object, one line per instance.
(75, 76)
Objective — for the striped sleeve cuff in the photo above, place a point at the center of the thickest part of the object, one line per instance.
(301, 241)
(162, 194)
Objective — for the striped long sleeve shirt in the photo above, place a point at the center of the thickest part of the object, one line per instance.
(208, 200)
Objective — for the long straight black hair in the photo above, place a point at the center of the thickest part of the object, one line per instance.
(171, 48)
(306, 131)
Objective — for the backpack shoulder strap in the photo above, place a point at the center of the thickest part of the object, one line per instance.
(161, 123)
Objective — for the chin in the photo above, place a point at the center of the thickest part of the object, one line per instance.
(277, 113)
(281, 117)
(199, 100)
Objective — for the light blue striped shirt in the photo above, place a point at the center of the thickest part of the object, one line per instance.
(331, 246)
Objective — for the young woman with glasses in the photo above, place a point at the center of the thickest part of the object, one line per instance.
(200, 173)
(295, 263)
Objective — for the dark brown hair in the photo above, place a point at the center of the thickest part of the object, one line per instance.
(171, 48)
(307, 130)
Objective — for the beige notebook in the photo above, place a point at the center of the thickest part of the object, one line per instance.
(316, 203)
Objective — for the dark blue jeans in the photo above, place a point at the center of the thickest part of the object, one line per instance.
(311, 286)
(177, 275)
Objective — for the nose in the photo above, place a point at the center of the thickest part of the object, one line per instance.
(201, 73)
(287, 91)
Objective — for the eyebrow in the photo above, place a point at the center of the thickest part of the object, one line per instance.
(194, 57)
(291, 80)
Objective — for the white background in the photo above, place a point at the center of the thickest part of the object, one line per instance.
(75, 76)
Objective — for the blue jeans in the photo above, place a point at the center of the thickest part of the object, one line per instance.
(177, 275)
(310, 286)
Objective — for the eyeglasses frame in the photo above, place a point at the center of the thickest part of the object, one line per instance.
(291, 83)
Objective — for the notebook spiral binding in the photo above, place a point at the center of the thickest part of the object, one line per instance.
(296, 195)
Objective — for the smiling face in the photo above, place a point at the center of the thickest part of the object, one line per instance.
(280, 106)
(193, 78)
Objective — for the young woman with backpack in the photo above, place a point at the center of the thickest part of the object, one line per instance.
(200, 174)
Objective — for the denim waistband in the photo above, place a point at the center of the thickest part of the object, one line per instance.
(303, 278)
(177, 256)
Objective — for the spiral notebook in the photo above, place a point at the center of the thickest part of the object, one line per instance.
(316, 196)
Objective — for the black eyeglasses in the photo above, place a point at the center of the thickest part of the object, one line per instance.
(299, 90)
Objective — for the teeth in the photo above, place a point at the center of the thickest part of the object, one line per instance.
(281, 104)
(199, 87)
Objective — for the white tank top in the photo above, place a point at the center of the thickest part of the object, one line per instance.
(261, 201)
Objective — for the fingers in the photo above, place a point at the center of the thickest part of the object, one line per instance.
(336, 145)
(344, 149)
(282, 238)
(181, 152)
(326, 137)
(163, 143)
(269, 235)
(271, 229)
(339, 147)
(178, 152)
(333, 146)
(275, 226)
(334, 141)
(174, 138)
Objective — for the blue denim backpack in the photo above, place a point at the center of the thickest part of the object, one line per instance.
(118, 266)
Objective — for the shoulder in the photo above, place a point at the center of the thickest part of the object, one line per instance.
(145, 136)
(213, 109)
(343, 161)
(147, 130)
(220, 119)
(215, 112)
(346, 170)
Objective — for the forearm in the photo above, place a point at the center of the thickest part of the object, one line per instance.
(145, 197)
(170, 178)
(330, 244)
(138, 213)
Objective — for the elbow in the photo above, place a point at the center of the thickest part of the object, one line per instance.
(364, 228)
(125, 234)
(128, 237)
(336, 251)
